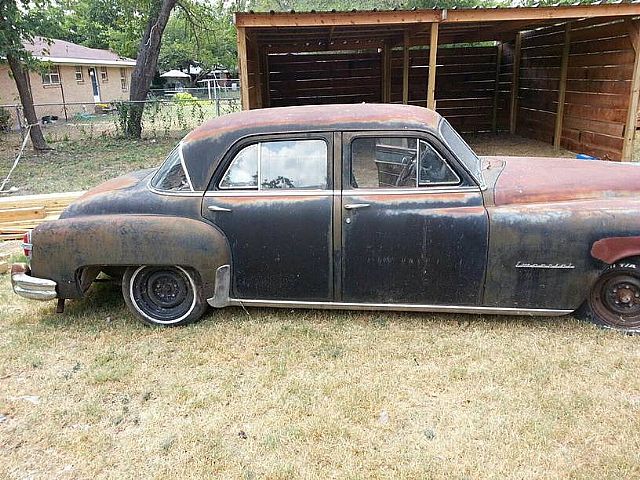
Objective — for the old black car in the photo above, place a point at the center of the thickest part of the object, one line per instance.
(380, 207)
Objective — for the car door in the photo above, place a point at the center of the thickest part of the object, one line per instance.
(414, 227)
(273, 199)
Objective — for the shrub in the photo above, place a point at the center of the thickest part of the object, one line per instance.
(184, 97)
(5, 120)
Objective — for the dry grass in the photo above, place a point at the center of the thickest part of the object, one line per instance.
(306, 394)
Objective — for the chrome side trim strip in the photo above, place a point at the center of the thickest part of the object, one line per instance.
(328, 193)
(402, 307)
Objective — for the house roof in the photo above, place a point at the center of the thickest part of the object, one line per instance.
(61, 51)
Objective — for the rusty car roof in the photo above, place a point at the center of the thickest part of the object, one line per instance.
(205, 146)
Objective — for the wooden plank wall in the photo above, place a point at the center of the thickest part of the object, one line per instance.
(465, 84)
(599, 77)
(323, 78)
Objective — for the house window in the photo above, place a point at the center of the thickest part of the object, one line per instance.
(123, 78)
(79, 74)
(104, 76)
(51, 76)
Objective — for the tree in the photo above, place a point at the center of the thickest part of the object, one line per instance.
(17, 27)
(146, 63)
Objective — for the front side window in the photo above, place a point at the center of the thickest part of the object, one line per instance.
(51, 76)
(398, 162)
(104, 75)
(288, 164)
(171, 176)
(79, 74)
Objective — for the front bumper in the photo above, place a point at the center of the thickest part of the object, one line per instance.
(31, 287)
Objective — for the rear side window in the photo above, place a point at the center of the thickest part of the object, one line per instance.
(171, 176)
(288, 164)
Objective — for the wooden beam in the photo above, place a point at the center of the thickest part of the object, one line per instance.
(243, 68)
(634, 36)
(540, 13)
(562, 87)
(267, 87)
(496, 93)
(433, 57)
(405, 69)
(323, 46)
(328, 19)
(515, 84)
(634, 102)
(386, 73)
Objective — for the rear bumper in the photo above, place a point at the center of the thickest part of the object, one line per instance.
(31, 287)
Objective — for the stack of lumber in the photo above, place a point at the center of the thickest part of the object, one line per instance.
(21, 213)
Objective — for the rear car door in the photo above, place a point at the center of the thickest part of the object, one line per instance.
(414, 227)
(273, 200)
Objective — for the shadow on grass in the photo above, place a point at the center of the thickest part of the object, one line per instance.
(104, 307)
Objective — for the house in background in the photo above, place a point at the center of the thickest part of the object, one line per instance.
(76, 79)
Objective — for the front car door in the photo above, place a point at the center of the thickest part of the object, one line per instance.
(273, 199)
(414, 227)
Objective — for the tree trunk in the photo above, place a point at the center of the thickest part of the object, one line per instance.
(147, 63)
(22, 83)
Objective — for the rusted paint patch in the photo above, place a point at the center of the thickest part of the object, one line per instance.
(612, 249)
(119, 183)
(540, 180)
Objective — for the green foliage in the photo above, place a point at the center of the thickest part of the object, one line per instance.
(18, 24)
(184, 97)
(200, 35)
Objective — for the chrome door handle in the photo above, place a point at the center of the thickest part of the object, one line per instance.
(355, 206)
(215, 208)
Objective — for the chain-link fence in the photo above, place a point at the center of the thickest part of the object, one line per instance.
(162, 116)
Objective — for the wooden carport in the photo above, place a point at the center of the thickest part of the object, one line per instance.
(566, 75)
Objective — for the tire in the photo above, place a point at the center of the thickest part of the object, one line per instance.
(163, 295)
(614, 301)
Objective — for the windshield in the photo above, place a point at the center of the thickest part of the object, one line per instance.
(460, 148)
(171, 176)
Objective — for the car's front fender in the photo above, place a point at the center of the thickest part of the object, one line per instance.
(63, 248)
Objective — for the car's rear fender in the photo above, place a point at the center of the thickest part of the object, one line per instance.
(62, 248)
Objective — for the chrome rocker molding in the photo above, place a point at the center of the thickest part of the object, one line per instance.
(34, 288)
(222, 299)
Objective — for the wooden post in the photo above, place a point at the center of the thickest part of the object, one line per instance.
(496, 93)
(243, 68)
(562, 87)
(386, 73)
(405, 69)
(634, 97)
(433, 56)
(515, 80)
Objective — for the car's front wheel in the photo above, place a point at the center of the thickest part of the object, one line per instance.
(614, 301)
(163, 295)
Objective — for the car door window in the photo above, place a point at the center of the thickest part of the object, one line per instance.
(397, 162)
(287, 164)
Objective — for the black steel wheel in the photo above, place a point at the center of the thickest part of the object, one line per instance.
(614, 301)
(163, 295)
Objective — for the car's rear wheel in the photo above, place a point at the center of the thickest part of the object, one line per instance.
(614, 301)
(163, 295)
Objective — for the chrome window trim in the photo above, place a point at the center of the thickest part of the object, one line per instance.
(329, 193)
(444, 161)
(481, 181)
(184, 166)
(183, 193)
(184, 169)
